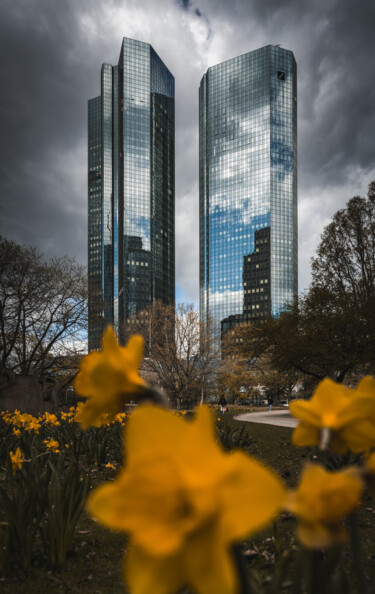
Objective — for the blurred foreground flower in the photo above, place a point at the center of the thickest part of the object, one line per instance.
(337, 416)
(184, 503)
(17, 460)
(108, 378)
(321, 502)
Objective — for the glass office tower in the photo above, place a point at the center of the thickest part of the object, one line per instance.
(131, 195)
(248, 187)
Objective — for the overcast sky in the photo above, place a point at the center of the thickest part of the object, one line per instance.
(51, 52)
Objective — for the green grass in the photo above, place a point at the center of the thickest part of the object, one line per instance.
(95, 565)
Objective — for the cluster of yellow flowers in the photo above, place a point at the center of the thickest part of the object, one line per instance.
(21, 421)
(184, 501)
(27, 422)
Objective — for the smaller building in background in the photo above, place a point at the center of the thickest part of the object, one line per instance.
(256, 285)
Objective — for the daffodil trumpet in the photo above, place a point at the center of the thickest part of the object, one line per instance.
(325, 438)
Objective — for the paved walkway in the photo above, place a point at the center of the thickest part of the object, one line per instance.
(276, 417)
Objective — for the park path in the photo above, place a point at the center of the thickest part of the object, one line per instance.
(281, 418)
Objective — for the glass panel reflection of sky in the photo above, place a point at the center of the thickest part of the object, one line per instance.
(247, 182)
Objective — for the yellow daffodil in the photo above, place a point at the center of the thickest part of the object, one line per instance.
(51, 419)
(184, 502)
(109, 465)
(22, 420)
(108, 378)
(34, 426)
(321, 502)
(52, 445)
(16, 459)
(16, 432)
(338, 416)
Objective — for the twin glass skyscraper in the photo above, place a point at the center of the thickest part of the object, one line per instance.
(248, 187)
(131, 218)
(247, 179)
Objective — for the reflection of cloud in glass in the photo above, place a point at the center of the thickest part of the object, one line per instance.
(140, 161)
(242, 210)
(239, 162)
(219, 302)
(139, 227)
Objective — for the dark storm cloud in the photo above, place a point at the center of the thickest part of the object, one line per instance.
(334, 44)
(47, 78)
(50, 57)
(185, 4)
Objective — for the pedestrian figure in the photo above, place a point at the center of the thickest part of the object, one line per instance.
(270, 403)
(222, 403)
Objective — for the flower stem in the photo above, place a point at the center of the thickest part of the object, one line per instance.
(359, 568)
(245, 586)
(313, 562)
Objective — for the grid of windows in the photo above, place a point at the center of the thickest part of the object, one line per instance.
(95, 219)
(137, 185)
(248, 181)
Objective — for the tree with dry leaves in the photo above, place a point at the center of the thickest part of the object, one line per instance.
(330, 331)
(180, 350)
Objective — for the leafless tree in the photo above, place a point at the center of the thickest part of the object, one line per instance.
(43, 314)
(180, 350)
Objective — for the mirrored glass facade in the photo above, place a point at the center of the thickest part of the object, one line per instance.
(248, 187)
(131, 237)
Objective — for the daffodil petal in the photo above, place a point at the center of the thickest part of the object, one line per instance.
(209, 563)
(146, 574)
(359, 407)
(127, 505)
(305, 435)
(135, 348)
(201, 444)
(153, 432)
(301, 409)
(329, 395)
(359, 436)
(366, 386)
(252, 496)
(109, 342)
